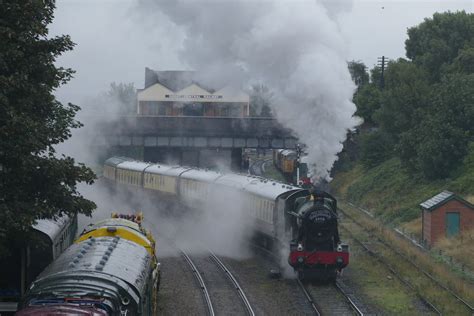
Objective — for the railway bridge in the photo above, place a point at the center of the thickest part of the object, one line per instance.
(195, 140)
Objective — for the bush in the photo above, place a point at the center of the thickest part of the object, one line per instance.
(376, 147)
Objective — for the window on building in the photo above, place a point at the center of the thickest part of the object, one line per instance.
(150, 108)
(193, 109)
(235, 110)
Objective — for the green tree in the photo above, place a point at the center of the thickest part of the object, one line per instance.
(367, 99)
(464, 62)
(439, 142)
(358, 72)
(436, 42)
(35, 182)
(406, 91)
(125, 95)
(376, 75)
(376, 147)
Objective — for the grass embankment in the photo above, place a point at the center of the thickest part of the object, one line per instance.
(374, 283)
(393, 195)
(460, 284)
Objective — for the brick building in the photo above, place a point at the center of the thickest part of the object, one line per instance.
(445, 215)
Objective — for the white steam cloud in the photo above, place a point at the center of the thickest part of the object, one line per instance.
(293, 47)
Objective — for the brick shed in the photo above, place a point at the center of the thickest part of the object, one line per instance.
(445, 215)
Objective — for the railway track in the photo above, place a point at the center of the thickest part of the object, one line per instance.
(328, 299)
(205, 291)
(221, 290)
(417, 280)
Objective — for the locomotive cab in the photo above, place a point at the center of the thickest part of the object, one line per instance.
(316, 251)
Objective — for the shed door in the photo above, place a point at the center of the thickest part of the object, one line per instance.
(452, 224)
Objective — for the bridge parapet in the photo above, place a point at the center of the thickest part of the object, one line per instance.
(191, 131)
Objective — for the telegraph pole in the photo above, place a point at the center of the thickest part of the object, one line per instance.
(382, 62)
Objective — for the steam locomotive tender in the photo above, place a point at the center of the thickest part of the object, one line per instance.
(111, 269)
(316, 251)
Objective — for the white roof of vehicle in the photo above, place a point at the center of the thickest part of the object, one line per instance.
(133, 165)
(268, 189)
(201, 175)
(51, 227)
(289, 152)
(233, 180)
(165, 170)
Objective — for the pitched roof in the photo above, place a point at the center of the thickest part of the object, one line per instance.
(442, 198)
(175, 80)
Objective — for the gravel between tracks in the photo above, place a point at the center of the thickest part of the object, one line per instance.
(224, 296)
(179, 291)
(268, 296)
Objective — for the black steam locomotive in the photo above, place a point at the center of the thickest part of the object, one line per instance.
(315, 250)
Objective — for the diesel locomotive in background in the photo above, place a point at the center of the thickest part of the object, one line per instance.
(295, 169)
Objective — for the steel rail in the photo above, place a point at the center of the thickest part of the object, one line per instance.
(427, 274)
(393, 271)
(242, 295)
(309, 297)
(349, 300)
(198, 276)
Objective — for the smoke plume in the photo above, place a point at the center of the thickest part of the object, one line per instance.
(293, 47)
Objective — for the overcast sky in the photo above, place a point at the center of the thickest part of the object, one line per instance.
(115, 43)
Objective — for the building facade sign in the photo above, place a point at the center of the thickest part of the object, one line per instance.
(193, 96)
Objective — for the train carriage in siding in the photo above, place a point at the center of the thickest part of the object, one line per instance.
(50, 238)
(110, 270)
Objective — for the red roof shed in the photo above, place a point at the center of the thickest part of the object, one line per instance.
(445, 215)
